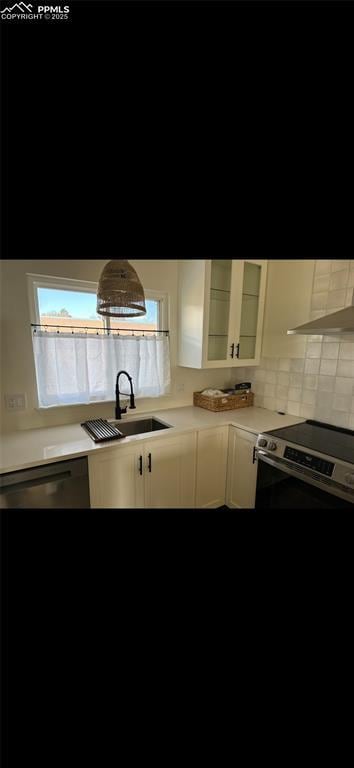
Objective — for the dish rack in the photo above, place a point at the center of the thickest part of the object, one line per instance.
(227, 403)
(100, 430)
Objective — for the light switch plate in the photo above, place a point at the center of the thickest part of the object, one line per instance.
(16, 402)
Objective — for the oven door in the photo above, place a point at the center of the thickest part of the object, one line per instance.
(283, 488)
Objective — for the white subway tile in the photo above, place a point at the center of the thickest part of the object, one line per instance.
(339, 279)
(269, 390)
(260, 374)
(330, 339)
(328, 367)
(351, 279)
(297, 364)
(351, 421)
(283, 378)
(258, 388)
(352, 406)
(312, 365)
(313, 349)
(342, 402)
(284, 364)
(307, 411)
(282, 392)
(296, 380)
(344, 386)
(322, 267)
(322, 412)
(310, 381)
(321, 283)
(293, 408)
(325, 399)
(346, 351)
(337, 265)
(269, 402)
(339, 419)
(281, 404)
(294, 394)
(345, 368)
(309, 396)
(319, 300)
(336, 299)
(270, 377)
(330, 350)
(326, 384)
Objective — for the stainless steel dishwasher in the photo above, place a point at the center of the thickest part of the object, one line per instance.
(63, 484)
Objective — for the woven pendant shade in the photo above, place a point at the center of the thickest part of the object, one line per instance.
(120, 293)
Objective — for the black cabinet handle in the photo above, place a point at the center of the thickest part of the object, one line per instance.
(254, 455)
(238, 350)
(140, 465)
(232, 350)
(149, 462)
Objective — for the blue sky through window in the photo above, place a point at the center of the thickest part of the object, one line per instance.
(82, 306)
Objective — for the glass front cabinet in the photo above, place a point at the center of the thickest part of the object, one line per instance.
(221, 306)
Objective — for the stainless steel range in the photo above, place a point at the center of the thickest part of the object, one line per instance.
(308, 465)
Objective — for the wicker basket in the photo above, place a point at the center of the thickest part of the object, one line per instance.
(227, 403)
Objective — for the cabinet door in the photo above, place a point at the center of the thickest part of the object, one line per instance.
(250, 279)
(211, 467)
(220, 313)
(288, 304)
(115, 479)
(241, 471)
(170, 472)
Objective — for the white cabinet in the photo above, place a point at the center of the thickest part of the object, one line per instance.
(287, 304)
(155, 474)
(241, 470)
(221, 305)
(170, 472)
(211, 467)
(115, 477)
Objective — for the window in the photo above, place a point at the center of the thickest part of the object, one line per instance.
(70, 369)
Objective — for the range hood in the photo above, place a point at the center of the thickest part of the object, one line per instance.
(337, 322)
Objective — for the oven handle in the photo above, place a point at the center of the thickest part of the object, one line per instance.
(277, 464)
(343, 493)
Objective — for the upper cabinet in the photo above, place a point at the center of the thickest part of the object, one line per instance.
(288, 304)
(221, 305)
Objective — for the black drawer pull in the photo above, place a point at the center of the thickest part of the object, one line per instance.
(140, 465)
(149, 462)
(238, 350)
(232, 350)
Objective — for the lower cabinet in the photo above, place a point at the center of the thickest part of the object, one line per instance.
(205, 469)
(154, 474)
(211, 467)
(242, 471)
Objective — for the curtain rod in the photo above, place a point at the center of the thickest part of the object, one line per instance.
(105, 330)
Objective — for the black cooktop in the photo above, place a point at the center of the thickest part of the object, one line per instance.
(325, 438)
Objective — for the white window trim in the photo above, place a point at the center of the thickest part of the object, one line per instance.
(35, 281)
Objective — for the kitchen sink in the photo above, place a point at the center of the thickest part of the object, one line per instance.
(139, 426)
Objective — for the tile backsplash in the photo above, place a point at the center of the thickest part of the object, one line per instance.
(321, 385)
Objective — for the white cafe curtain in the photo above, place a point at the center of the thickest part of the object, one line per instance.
(82, 368)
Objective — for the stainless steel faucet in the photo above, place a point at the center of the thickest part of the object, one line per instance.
(120, 410)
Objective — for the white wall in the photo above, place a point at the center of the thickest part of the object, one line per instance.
(17, 365)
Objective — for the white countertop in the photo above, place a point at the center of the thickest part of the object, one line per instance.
(32, 447)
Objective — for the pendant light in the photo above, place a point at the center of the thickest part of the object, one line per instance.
(120, 293)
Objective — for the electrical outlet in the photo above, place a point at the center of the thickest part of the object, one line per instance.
(15, 402)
